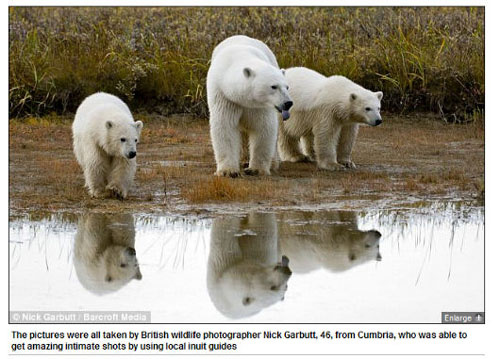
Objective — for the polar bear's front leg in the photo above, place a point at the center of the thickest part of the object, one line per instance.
(226, 139)
(348, 136)
(95, 170)
(262, 137)
(325, 147)
(121, 177)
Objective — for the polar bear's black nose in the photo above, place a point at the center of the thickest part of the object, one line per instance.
(132, 154)
(378, 121)
(130, 251)
(287, 105)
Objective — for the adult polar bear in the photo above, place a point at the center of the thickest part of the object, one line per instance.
(326, 116)
(244, 88)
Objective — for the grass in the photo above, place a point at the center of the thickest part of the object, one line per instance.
(423, 58)
(395, 161)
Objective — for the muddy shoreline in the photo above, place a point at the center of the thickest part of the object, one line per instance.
(408, 160)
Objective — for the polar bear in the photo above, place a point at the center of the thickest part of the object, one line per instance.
(244, 89)
(245, 272)
(105, 137)
(329, 240)
(104, 255)
(326, 115)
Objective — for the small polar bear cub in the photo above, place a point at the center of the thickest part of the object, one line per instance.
(325, 117)
(105, 137)
(245, 87)
(104, 255)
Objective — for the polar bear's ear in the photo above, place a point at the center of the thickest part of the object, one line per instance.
(353, 97)
(283, 72)
(109, 124)
(379, 94)
(248, 72)
(138, 126)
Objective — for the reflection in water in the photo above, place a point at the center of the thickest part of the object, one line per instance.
(329, 240)
(432, 255)
(245, 271)
(104, 254)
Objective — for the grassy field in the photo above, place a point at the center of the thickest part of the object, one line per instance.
(423, 58)
(398, 163)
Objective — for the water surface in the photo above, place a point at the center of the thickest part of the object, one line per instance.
(401, 265)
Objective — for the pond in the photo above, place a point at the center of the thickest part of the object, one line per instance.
(401, 265)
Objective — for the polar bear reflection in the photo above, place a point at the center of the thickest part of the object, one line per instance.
(329, 240)
(245, 271)
(104, 254)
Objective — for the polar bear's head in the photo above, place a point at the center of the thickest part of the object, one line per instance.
(122, 137)
(365, 107)
(111, 271)
(268, 88)
(247, 288)
(104, 255)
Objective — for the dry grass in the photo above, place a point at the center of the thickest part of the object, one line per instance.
(416, 156)
(422, 58)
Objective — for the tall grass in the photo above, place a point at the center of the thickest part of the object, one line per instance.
(423, 58)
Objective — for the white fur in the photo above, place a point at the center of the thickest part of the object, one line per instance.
(245, 272)
(101, 122)
(241, 100)
(103, 256)
(325, 117)
(329, 240)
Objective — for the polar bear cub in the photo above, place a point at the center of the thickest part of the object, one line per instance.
(104, 254)
(326, 115)
(105, 137)
(244, 89)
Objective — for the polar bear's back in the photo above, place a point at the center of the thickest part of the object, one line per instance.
(98, 107)
(244, 42)
(309, 88)
(305, 85)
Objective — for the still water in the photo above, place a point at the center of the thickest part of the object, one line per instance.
(390, 266)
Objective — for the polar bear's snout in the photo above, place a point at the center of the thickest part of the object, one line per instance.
(378, 121)
(284, 109)
(286, 106)
(282, 267)
(132, 154)
(130, 251)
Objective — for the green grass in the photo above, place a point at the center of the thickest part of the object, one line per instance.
(156, 59)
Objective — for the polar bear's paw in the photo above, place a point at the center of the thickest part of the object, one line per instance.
(348, 164)
(97, 193)
(116, 192)
(300, 159)
(256, 171)
(331, 166)
(228, 173)
(251, 172)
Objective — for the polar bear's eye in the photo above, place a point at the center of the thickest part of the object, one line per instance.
(136, 140)
(368, 109)
(274, 87)
(123, 139)
(288, 87)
